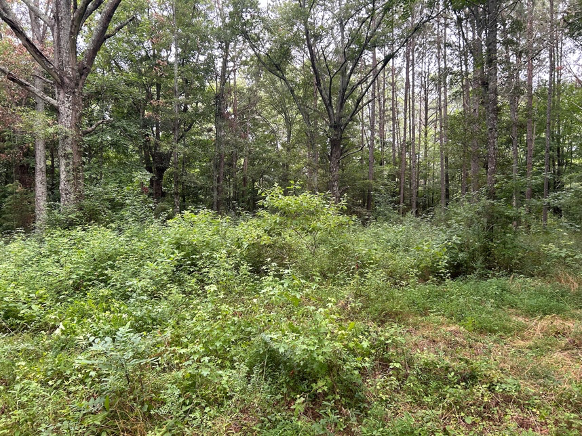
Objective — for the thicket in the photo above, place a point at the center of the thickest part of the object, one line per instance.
(296, 320)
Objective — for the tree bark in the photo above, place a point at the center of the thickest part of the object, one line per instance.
(176, 120)
(476, 48)
(371, 144)
(335, 142)
(412, 125)
(548, 115)
(220, 131)
(404, 139)
(69, 152)
(69, 71)
(445, 116)
(492, 91)
(440, 116)
(514, 100)
(529, 103)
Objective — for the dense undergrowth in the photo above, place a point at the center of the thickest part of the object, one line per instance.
(298, 320)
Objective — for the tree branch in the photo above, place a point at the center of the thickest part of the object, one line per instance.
(81, 13)
(95, 126)
(44, 79)
(28, 86)
(119, 27)
(369, 78)
(40, 14)
(98, 37)
(8, 17)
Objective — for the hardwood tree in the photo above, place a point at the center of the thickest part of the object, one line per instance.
(68, 70)
(337, 37)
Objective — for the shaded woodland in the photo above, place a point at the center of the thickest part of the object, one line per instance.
(398, 107)
(302, 217)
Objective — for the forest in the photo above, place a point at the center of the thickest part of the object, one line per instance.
(290, 217)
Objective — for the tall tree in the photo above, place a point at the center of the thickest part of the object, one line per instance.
(371, 145)
(548, 132)
(529, 99)
(68, 71)
(337, 36)
(490, 16)
(39, 35)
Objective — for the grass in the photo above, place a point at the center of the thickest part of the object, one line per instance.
(212, 369)
(195, 327)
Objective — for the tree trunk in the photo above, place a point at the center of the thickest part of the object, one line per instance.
(220, 132)
(40, 172)
(514, 100)
(393, 115)
(382, 116)
(70, 152)
(176, 120)
(404, 139)
(475, 121)
(412, 125)
(371, 143)
(492, 91)
(529, 103)
(548, 115)
(426, 139)
(445, 116)
(466, 104)
(335, 142)
(40, 175)
(440, 116)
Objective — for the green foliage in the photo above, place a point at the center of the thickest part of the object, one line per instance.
(297, 320)
(568, 202)
(303, 230)
(490, 236)
(103, 205)
(16, 208)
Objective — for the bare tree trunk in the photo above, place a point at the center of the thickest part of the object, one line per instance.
(529, 103)
(176, 121)
(445, 115)
(419, 144)
(371, 144)
(335, 142)
(514, 100)
(558, 182)
(237, 131)
(220, 132)
(382, 116)
(475, 122)
(412, 124)
(440, 117)
(466, 111)
(393, 114)
(70, 155)
(549, 107)
(40, 173)
(492, 91)
(426, 138)
(404, 139)
(313, 147)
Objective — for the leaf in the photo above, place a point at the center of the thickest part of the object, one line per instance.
(106, 403)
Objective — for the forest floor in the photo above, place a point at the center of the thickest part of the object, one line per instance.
(200, 326)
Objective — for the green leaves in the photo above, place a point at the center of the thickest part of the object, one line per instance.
(295, 320)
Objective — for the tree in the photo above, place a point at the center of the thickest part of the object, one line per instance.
(68, 71)
(337, 38)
